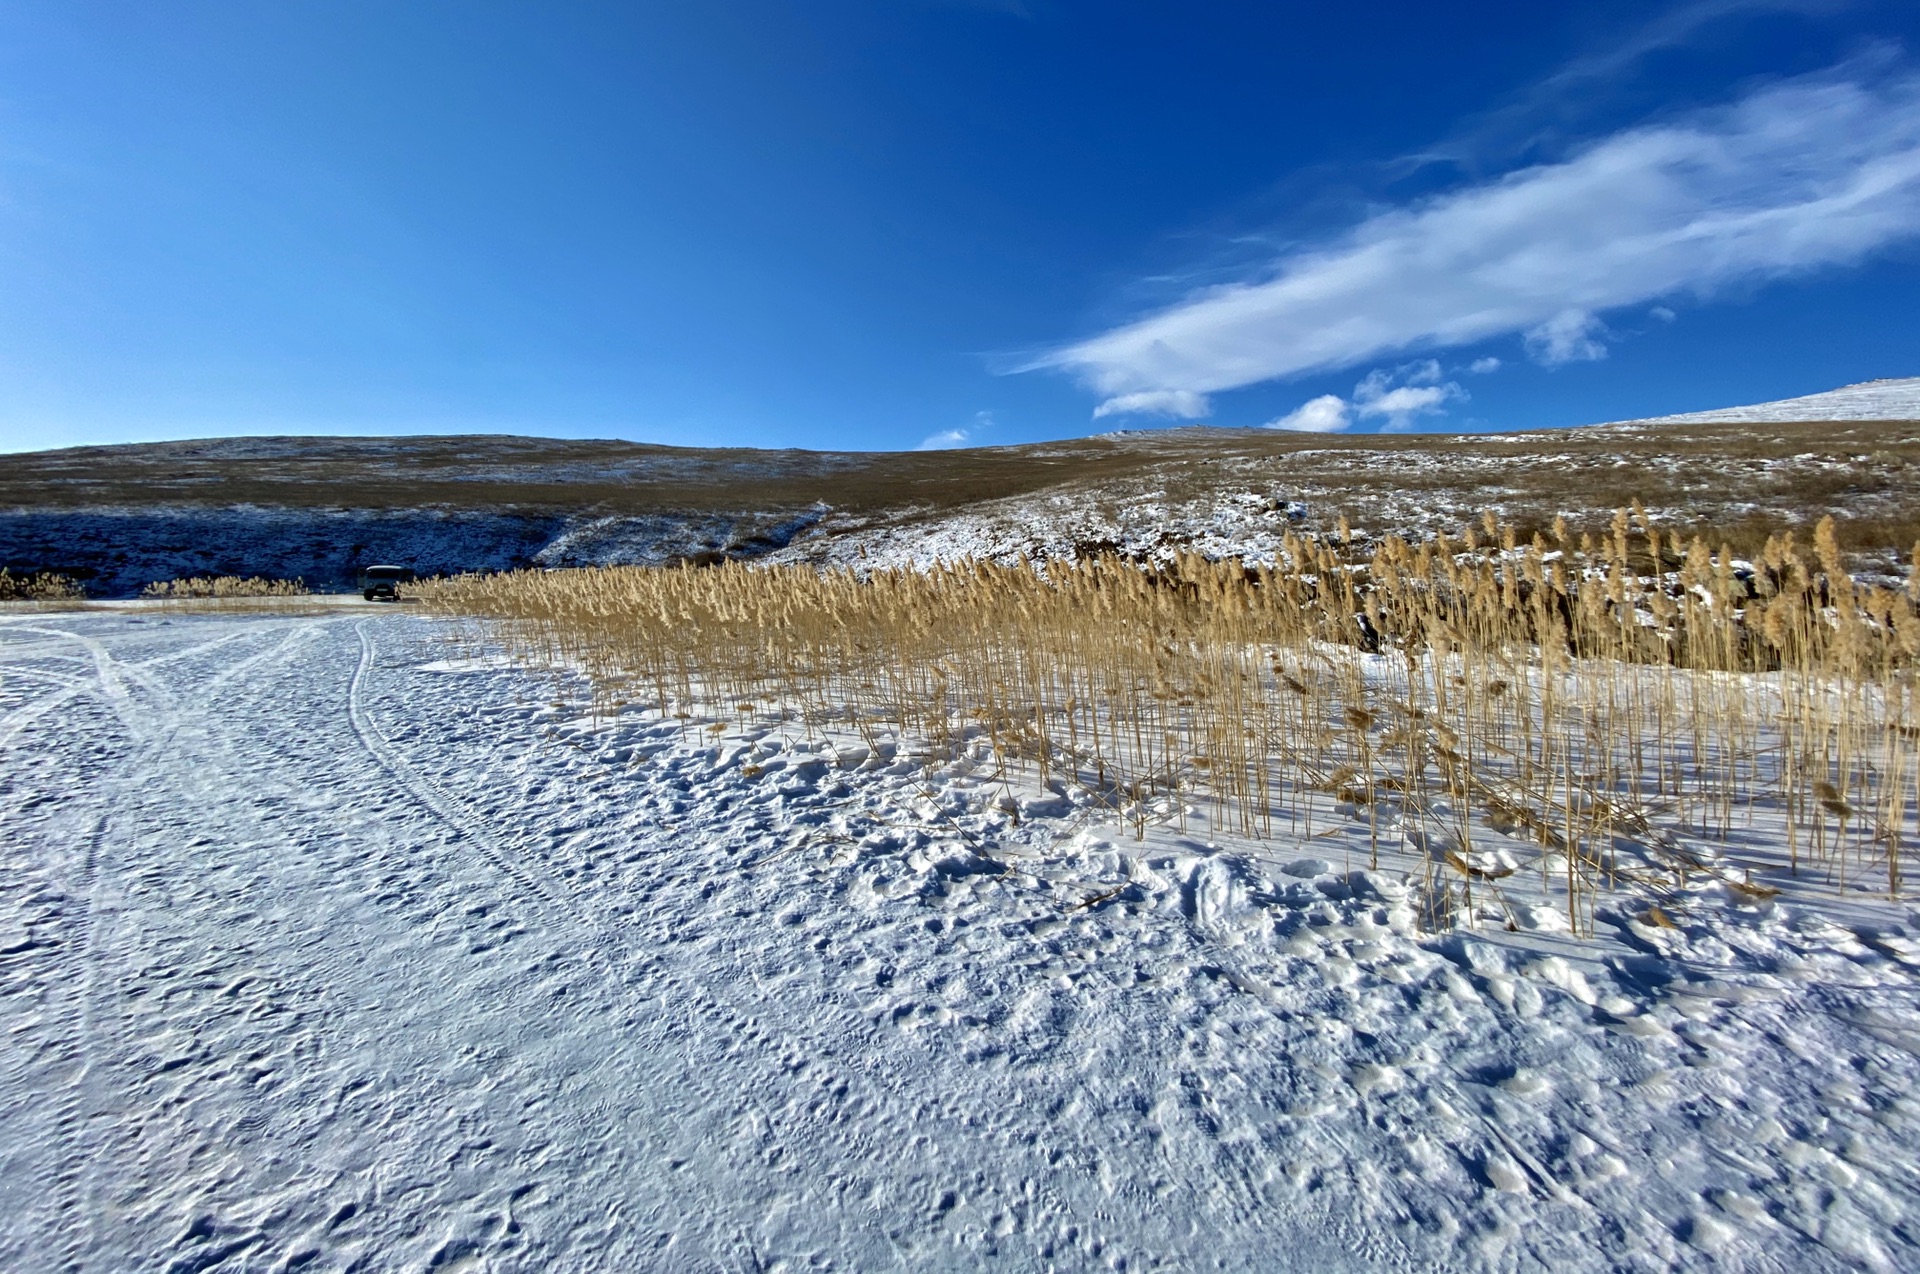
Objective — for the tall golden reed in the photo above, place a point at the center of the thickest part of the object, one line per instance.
(1639, 691)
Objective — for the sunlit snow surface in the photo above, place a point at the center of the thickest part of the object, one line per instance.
(1869, 400)
(326, 946)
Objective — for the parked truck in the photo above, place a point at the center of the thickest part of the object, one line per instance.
(382, 583)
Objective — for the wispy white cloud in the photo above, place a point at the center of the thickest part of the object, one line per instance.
(947, 439)
(1794, 177)
(1406, 393)
(1402, 406)
(1673, 28)
(1483, 366)
(1571, 336)
(1181, 404)
(1397, 398)
(1547, 106)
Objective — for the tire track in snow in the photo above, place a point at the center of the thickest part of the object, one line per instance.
(557, 914)
(112, 675)
(849, 1116)
(701, 1041)
(396, 980)
(247, 773)
(296, 637)
(47, 1066)
(74, 1178)
(83, 1116)
(234, 771)
(42, 674)
(20, 718)
(105, 684)
(451, 812)
(699, 1016)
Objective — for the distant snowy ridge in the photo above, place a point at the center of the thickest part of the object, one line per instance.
(1893, 399)
(118, 518)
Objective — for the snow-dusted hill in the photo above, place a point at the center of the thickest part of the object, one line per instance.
(116, 552)
(117, 518)
(1891, 399)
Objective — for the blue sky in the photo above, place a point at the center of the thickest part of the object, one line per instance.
(892, 223)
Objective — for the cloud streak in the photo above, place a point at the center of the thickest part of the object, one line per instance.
(1673, 29)
(1181, 404)
(1795, 177)
(1397, 398)
(948, 439)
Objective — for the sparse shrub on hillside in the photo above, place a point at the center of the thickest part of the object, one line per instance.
(1617, 701)
(209, 587)
(41, 587)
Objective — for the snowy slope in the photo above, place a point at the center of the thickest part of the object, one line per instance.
(1894, 399)
(117, 552)
(118, 518)
(325, 945)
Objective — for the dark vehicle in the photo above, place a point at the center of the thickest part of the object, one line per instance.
(379, 583)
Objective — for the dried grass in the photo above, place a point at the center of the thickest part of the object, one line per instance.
(1617, 700)
(44, 586)
(226, 593)
(221, 587)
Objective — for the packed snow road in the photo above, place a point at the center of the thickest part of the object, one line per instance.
(322, 947)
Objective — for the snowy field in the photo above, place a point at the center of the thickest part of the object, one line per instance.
(324, 947)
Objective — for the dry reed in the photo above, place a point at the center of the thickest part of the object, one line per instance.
(222, 587)
(1622, 703)
(41, 587)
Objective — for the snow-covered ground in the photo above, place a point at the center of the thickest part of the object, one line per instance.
(1891, 399)
(1143, 524)
(326, 945)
